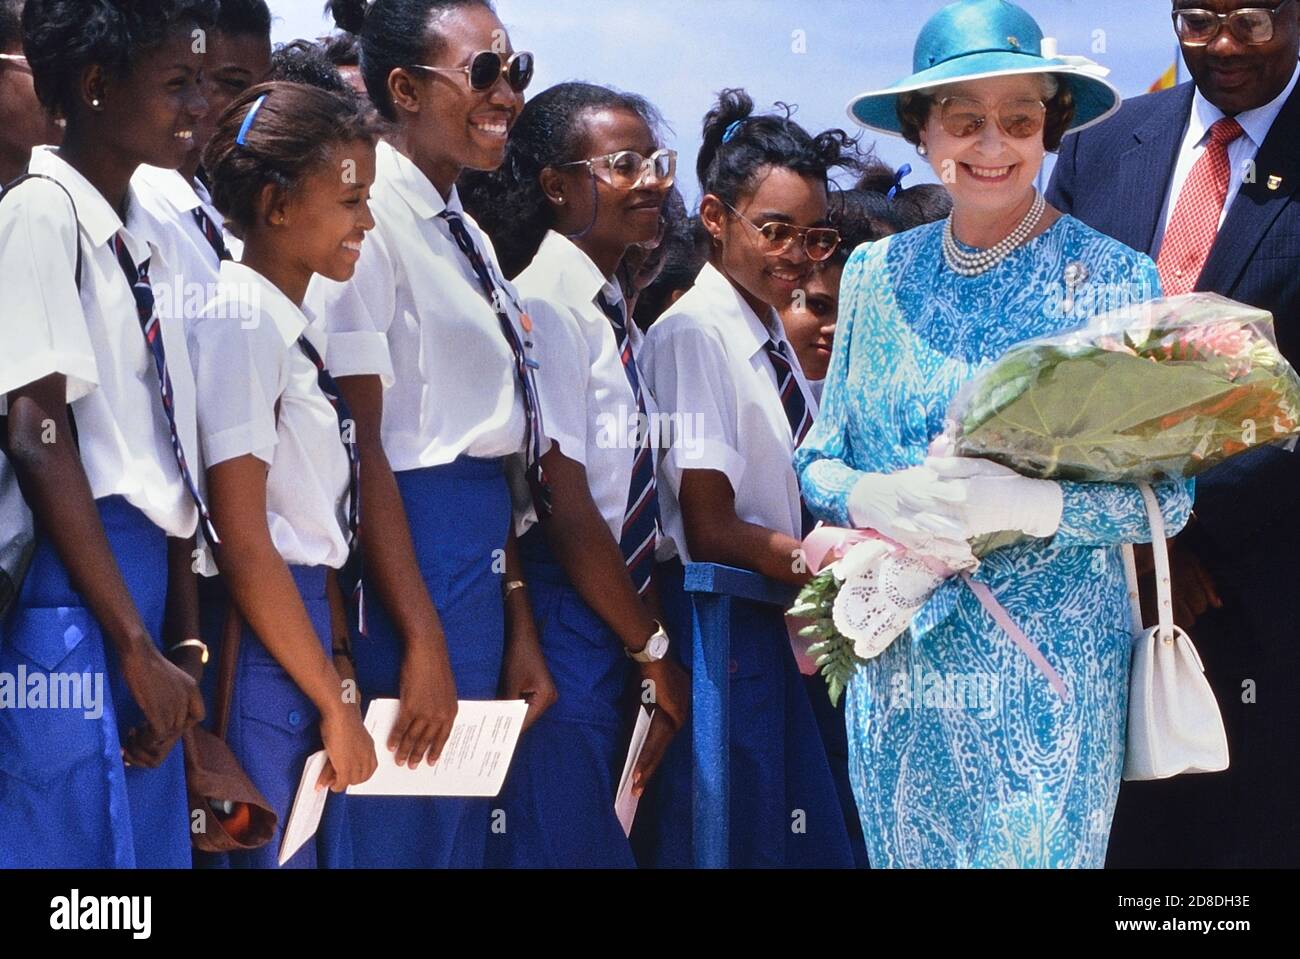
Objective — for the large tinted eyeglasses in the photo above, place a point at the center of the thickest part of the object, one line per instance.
(628, 170)
(486, 67)
(1018, 117)
(775, 238)
(1251, 25)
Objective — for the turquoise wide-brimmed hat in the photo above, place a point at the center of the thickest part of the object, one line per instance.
(977, 39)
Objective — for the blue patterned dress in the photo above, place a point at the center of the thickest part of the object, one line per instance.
(960, 752)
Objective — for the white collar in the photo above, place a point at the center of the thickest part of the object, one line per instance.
(98, 220)
(575, 278)
(398, 171)
(739, 321)
(172, 186)
(204, 195)
(289, 320)
(1256, 123)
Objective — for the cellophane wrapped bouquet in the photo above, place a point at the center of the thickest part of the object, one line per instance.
(1156, 391)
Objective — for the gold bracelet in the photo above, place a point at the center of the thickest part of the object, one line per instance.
(511, 586)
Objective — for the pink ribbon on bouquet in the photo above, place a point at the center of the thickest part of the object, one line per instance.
(1003, 619)
(829, 544)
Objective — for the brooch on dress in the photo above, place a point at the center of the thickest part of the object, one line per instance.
(1076, 274)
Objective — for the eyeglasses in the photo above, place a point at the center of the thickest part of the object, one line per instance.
(1250, 25)
(487, 67)
(819, 242)
(1018, 117)
(628, 170)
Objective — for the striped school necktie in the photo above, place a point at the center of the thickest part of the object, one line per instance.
(142, 289)
(524, 366)
(641, 518)
(796, 409)
(787, 385)
(211, 233)
(352, 570)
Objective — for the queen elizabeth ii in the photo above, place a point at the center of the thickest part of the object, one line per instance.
(1031, 781)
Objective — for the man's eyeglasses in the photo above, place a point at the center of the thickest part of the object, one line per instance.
(486, 67)
(628, 170)
(1018, 117)
(819, 242)
(1251, 25)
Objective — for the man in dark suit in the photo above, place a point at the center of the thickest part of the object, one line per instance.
(1203, 177)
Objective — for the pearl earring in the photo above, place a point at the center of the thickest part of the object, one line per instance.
(95, 102)
(920, 148)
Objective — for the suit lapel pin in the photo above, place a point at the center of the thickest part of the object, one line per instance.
(1274, 182)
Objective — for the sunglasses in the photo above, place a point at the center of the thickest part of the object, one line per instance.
(1250, 25)
(819, 242)
(486, 67)
(1018, 117)
(628, 170)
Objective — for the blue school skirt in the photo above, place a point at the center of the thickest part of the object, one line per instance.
(66, 798)
(785, 811)
(274, 727)
(558, 798)
(460, 516)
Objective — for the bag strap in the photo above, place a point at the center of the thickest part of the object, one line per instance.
(9, 187)
(1160, 551)
(231, 634)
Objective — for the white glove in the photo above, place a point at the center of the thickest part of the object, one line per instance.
(977, 497)
(876, 502)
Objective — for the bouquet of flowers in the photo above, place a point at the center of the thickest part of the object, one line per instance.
(1157, 391)
(1161, 390)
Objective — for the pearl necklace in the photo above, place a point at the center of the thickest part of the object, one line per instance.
(981, 261)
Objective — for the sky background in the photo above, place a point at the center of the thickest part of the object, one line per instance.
(679, 53)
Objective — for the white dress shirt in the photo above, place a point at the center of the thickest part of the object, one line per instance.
(244, 347)
(1255, 125)
(705, 361)
(588, 407)
(167, 205)
(94, 339)
(415, 315)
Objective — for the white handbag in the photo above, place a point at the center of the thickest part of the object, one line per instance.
(1174, 724)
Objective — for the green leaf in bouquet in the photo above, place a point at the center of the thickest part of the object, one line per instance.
(831, 652)
(1093, 415)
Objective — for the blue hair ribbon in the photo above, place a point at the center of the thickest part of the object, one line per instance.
(903, 171)
(732, 129)
(248, 119)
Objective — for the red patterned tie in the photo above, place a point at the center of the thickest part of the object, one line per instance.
(1195, 222)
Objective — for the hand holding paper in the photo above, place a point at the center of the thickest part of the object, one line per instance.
(473, 761)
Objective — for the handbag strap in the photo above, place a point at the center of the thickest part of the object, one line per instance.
(232, 632)
(1160, 551)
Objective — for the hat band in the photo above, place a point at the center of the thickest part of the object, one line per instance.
(974, 53)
